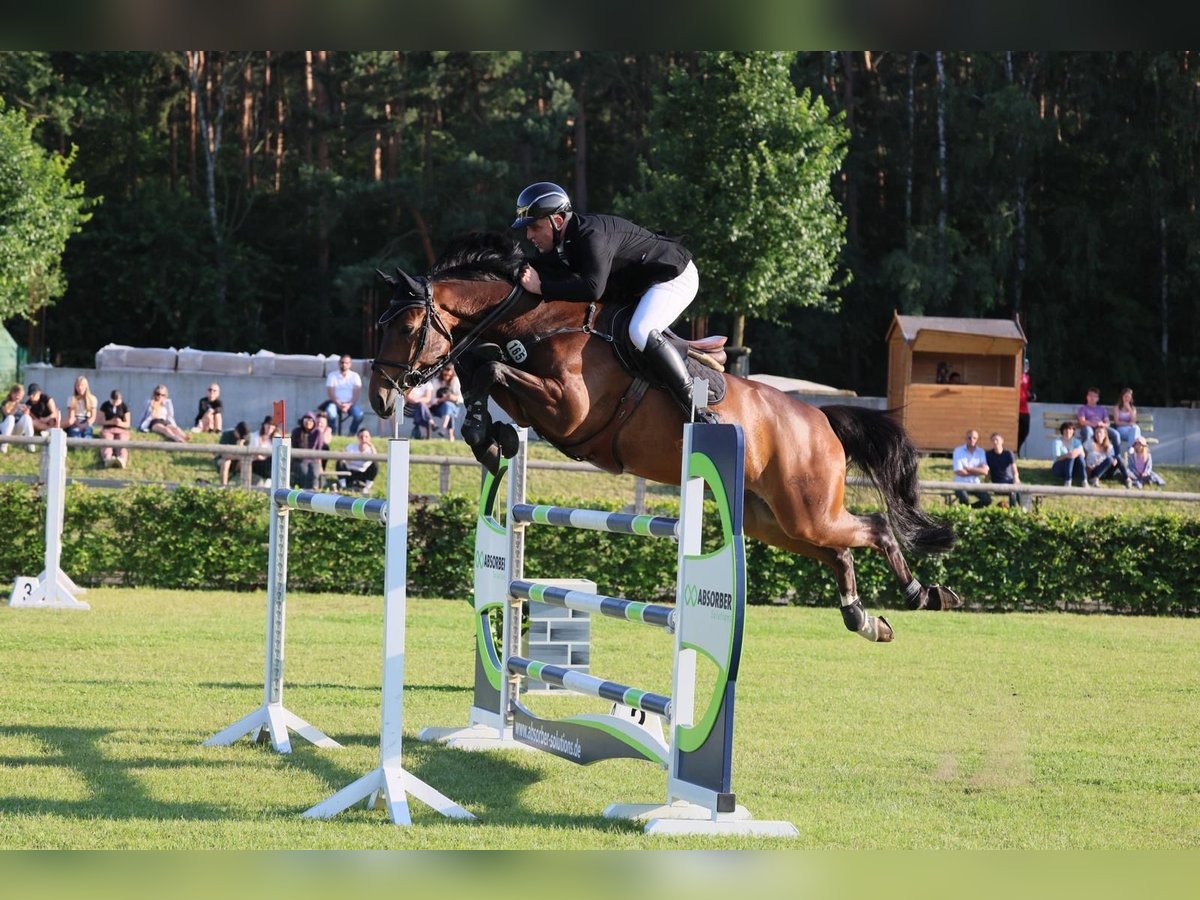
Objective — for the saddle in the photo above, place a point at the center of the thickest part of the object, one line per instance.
(705, 357)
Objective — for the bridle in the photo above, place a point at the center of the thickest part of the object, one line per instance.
(412, 375)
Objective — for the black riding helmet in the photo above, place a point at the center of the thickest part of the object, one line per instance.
(540, 199)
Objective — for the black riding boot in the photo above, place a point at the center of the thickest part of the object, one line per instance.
(669, 366)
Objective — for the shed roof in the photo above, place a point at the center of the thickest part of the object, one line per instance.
(911, 326)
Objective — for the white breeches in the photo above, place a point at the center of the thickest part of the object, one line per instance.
(662, 305)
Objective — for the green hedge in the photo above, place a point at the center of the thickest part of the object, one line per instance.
(196, 537)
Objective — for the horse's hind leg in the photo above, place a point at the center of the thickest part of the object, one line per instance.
(916, 595)
(760, 522)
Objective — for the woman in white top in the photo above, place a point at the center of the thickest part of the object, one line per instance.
(159, 417)
(81, 410)
(16, 416)
(362, 471)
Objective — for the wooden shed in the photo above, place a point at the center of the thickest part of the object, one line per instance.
(985, 354)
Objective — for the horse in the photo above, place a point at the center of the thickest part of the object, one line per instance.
(550, 365)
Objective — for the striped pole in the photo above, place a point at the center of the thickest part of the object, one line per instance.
(591, 686)
(346, 507)
(601, 604)
(595, 520)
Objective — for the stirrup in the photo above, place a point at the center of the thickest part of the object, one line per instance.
(705, 416)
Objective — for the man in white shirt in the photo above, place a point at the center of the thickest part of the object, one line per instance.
(970, 462)
(343, 388)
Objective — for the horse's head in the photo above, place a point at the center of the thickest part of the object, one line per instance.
(417, 336)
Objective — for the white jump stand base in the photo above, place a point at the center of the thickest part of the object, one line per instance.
(272, 721)
(47, 592)
(473, 738)
(388, 786)
(689, 818)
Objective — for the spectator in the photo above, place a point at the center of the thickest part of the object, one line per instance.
(16, 416)
(1002, 467)
(955, 378)
(970, 462)
(447, 401)
(81, 410)
(361, 471)
(234, 437)
(159, 417)
(1092, 415)
(1102, 461)
(343, 388)
(1141, 465)
(261, 440)
(943, 372)
(305, 436)
(417, 406)
(1068, 456)
(1025, 397)
(42, 409)
(1124, 418)
(114, 426)
(326, 438)
(209, 414)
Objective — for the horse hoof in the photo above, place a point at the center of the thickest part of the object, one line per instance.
(921, 600)
(488, 457)
(506, 436)
(883, 631)
(943, 598)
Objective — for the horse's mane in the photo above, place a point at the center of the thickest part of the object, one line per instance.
(479, 256)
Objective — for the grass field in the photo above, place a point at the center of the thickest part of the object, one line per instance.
(970, 731)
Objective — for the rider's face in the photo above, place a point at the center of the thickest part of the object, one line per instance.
(540, 232)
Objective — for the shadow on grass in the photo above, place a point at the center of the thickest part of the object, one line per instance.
(491, 785)
(112, 791)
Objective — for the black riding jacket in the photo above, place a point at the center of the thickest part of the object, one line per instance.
(600, 251)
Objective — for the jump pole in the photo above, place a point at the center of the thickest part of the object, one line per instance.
(52, 588)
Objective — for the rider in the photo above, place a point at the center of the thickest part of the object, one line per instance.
(578, 255)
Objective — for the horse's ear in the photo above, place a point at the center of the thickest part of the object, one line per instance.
(416, 286)
(390, 281)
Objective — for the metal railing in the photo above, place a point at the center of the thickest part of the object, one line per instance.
(445, 463)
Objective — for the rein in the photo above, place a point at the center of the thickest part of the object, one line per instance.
(411, 375)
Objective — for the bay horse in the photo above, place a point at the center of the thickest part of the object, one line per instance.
(551, 367)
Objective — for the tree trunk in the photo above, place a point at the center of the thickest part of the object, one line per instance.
(943, 175)
(1164, 308)
(911, 155)
(248, 124)
(580, 190)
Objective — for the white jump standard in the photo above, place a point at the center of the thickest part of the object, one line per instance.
(52, 588)
(389, 784)
(707, 619)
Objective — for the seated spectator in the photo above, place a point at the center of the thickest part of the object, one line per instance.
(1068, 456)
(1124, 418)
(970, 462)
(1141, 465)
(305, 436)
(1101, 460)
(16, 417)
(343, 388)
(159, 417)
(447, 401)
(261, 440)
(417, 406)
(1092, 415)
(114, 426)
(326, 430)
(209, 413)
(955, 378)
(362, 471)
(943, 372)
(234, 437)
(42, 409)
(1002, 467)
(81, 410)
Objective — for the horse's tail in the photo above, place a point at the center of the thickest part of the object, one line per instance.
(876, 443)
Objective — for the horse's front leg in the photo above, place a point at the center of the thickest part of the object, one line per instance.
(489, 440)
